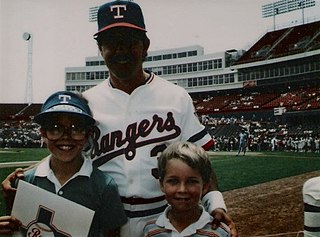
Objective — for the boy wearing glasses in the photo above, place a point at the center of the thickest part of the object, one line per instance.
(66, 124)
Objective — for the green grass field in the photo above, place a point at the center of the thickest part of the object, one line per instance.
(16, 155)
(232, 172)
(255, 168)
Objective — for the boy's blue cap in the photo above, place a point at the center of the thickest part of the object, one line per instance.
(64, 102)
(120, 14)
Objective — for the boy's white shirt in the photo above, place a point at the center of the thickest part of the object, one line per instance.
(204, 219)
(44, 170)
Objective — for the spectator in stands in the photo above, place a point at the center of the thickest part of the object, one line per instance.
(243, 140)
(311, 199)
(19, 134)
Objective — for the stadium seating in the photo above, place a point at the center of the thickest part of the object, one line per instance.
(284, 42)
(226, 112)
(18, 111)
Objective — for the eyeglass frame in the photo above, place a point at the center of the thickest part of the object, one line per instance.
(83, 130)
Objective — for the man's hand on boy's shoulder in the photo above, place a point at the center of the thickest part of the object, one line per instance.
(8, 191)
(221, 216)
(7, 183)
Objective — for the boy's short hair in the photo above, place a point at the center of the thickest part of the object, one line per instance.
(194, 156)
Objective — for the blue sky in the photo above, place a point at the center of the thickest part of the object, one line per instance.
(62, 34)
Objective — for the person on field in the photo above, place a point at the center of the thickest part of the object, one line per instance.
(243, 142)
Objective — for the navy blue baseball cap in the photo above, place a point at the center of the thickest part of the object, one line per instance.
(120, 14)
(64, 102)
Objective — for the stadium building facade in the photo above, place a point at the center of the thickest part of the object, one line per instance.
(280, 59)
(277, 79)
(273, 89)
(188, 67)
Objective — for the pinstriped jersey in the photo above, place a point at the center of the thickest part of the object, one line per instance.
(155, 231)
(202, 227)
(133, 129)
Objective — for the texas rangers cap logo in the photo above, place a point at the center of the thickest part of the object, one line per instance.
(64, 98)
(64, 102)
(118, 9)
(120, 14)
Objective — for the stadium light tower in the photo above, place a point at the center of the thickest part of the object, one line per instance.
(29, 88)
(285, 6)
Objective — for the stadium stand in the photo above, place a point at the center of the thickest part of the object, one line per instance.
(290, 86)
(284, 42)
(18, 111)
(282, 101)
(260, 50)
(16, 127)
(297, 40)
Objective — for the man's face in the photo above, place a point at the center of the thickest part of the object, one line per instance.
(123, 50)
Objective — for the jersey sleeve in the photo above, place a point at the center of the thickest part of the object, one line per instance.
(192, 130)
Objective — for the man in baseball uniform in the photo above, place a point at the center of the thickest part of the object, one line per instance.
(139, 114)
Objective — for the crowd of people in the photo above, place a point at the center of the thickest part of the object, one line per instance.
(25, 134)
(19, 134)
(307, 143)
(262, 136)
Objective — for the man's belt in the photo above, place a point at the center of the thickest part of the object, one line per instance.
(137, 214)
(137, 201)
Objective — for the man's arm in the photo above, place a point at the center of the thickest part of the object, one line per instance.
(8, 191)
(214, 204)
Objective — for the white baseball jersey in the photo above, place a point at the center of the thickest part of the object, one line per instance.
(133, 129)
(311, 199)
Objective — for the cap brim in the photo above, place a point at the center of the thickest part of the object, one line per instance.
(120, 24)
(44, 118)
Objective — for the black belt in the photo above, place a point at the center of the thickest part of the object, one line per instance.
(137, 201)
(135, 214)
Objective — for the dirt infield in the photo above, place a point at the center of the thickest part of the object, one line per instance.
(272, 208)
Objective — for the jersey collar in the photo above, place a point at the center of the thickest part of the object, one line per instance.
(147, 81)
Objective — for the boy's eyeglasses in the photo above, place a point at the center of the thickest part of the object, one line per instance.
(56, 131)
